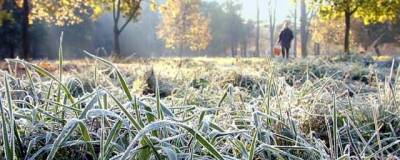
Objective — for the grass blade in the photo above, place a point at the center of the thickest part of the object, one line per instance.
(253, 145)
(10, 114)
(6, 143)
(70, 126)
(160, 124)
(111, 137)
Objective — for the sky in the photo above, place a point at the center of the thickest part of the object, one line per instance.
(249, 9)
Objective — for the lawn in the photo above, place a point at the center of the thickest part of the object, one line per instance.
(200, 108)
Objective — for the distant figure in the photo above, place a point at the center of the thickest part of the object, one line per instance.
(285, 39)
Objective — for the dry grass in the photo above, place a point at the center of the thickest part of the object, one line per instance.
(216, 108)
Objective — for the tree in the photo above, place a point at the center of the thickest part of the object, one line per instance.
(183, 26)
(272, 23)
(295, 29)
(369, 11)
(342, 7)
(303, 28)
(25, 27)
(145, 33)
(218, 26)
(258, 30)
(382, 20)
(9, 28)
(248, 33)
(329, 34)
(379, 11)
(234, 25)
(228, 29)
(306, 14)
(370, 37)
(127, 10)
(65, 12)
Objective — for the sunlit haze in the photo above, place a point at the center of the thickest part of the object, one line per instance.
(249, 9)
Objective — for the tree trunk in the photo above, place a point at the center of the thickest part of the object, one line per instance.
(272, 42)
(232, 50)
(236, 50)
(245, 49)
(317, 49)
(272, 20)
(376, 43)
(347, 32)
(377, 51)
(25, 30)
(12, 51)
(303, 28)
(295, 30)
(117, 49)
(181, 49)
(258, 30)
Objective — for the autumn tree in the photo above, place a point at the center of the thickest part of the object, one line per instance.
(346, 8)
(371, 37)
(123, 11)
(329, 34)
(59, 13)
(183, 26)
(369, 11)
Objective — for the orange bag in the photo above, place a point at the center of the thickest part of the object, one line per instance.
(277, 51)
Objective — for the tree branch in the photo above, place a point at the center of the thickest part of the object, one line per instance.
(354, 10)
(118, 11)
(127, 22)
(113, 10)
(134, 10)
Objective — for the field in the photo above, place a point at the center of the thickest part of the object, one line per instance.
(341, 107)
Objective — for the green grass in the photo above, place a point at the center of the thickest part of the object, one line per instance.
(218, 108)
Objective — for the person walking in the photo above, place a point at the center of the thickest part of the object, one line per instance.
(285, 39)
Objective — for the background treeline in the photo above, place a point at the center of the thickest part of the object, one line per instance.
(31, 28)
(227, 28)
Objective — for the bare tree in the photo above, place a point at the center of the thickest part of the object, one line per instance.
(305, 19)
(258, 30)
(25, 29)
(295, 29)
(272, 22)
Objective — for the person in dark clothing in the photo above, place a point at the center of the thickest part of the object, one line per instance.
(285, 39)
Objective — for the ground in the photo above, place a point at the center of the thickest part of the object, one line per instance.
(231, 108)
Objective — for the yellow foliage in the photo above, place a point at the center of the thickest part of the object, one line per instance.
(183, 26)
(127, 7)
(97, 11)
(327, 31)
(153, 5)
(369, 11)
(4, 15)
(60, 13)
(382, 58)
